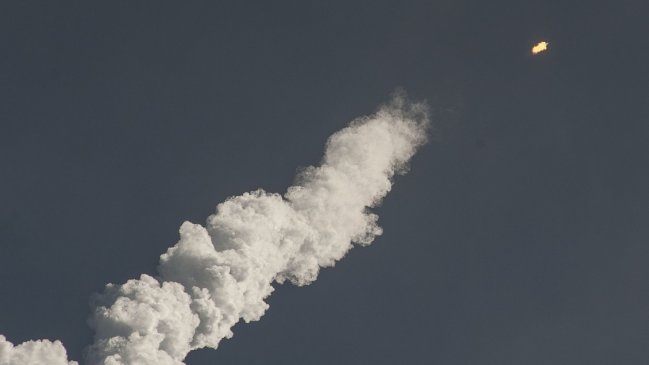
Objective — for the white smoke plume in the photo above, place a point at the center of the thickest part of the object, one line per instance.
(39, 352)
(221, 273)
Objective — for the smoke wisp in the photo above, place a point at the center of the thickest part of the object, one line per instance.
(221, 273)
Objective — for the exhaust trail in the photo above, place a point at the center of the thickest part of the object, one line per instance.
(221, 273)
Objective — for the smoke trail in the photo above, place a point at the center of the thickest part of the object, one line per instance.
(221, 273)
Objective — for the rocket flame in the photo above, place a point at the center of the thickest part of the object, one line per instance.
(540, 47)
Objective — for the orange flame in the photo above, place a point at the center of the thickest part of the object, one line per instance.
(540, 47)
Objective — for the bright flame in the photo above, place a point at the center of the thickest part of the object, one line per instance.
(540, 47)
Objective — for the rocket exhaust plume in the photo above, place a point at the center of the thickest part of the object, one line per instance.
(540, 47)
(221, 273)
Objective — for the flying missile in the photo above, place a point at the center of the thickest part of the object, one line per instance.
(540, 47)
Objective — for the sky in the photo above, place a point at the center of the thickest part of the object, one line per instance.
(518, 236)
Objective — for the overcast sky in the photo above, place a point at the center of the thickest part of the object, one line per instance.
(520, 235)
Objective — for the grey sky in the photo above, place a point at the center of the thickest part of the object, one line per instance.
(519, 236)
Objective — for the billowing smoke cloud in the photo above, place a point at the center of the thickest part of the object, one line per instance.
(221, 273)
(39, 352)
